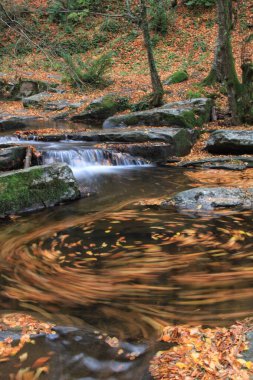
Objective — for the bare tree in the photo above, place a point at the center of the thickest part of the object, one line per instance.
(157, 86)
(141, 20)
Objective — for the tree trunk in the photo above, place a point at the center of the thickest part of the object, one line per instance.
(157, 86)
(223, 69)
(215, 74)
(247, 81)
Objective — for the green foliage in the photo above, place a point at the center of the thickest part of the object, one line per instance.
(198, 91)
(99, 39)
(162, 16)
(192, 94)
(110, 25)
(200, 44)
(143, 104)
(133, 34)
(155, 40)
(200, 3)
(90, 73)
(77, 10)
(74, 44)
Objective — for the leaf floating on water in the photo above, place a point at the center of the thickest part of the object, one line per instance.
(40, 362)
(23, 357)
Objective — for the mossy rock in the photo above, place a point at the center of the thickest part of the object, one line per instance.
(177, 77)
(102, 108)
(36, 188)
(184, 114)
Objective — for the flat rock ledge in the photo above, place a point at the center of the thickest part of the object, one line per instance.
(155, 144)
(208, 199)
(230, 142)
(36, 188)
(184, 114)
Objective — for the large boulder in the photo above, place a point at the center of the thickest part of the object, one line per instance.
(185, 114)
(36, 188)
(12, 157)
(102, 108)
(230, 142)
(206, 199)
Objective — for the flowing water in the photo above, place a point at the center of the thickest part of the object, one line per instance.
(113, 264)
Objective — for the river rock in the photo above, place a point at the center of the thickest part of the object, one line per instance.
(36, 188)
(230, 142)
(36, 100)
(204, 198)
(57, 105)
(226, 163)
(102, 108)
(18, 89)
(12, 157)
(185, 114)
(154, 152)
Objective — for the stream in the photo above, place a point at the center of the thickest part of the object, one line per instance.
(110, 271)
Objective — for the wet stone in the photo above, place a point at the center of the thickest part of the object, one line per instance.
(82, 354)
(207, 199)
(230, 142)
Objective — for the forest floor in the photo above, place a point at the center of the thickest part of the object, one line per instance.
(189, 45)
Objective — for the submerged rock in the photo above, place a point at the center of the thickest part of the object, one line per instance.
(186, 114)
(36, 188)
(84, 354)
(102, 108)
(203, 198)
(230, 142)
(12, 157)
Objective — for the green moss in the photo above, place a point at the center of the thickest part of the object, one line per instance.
(104, 107)
(177, 77)
(36, 188)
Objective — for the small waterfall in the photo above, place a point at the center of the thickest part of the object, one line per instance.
(83, 158)
(9, 140)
